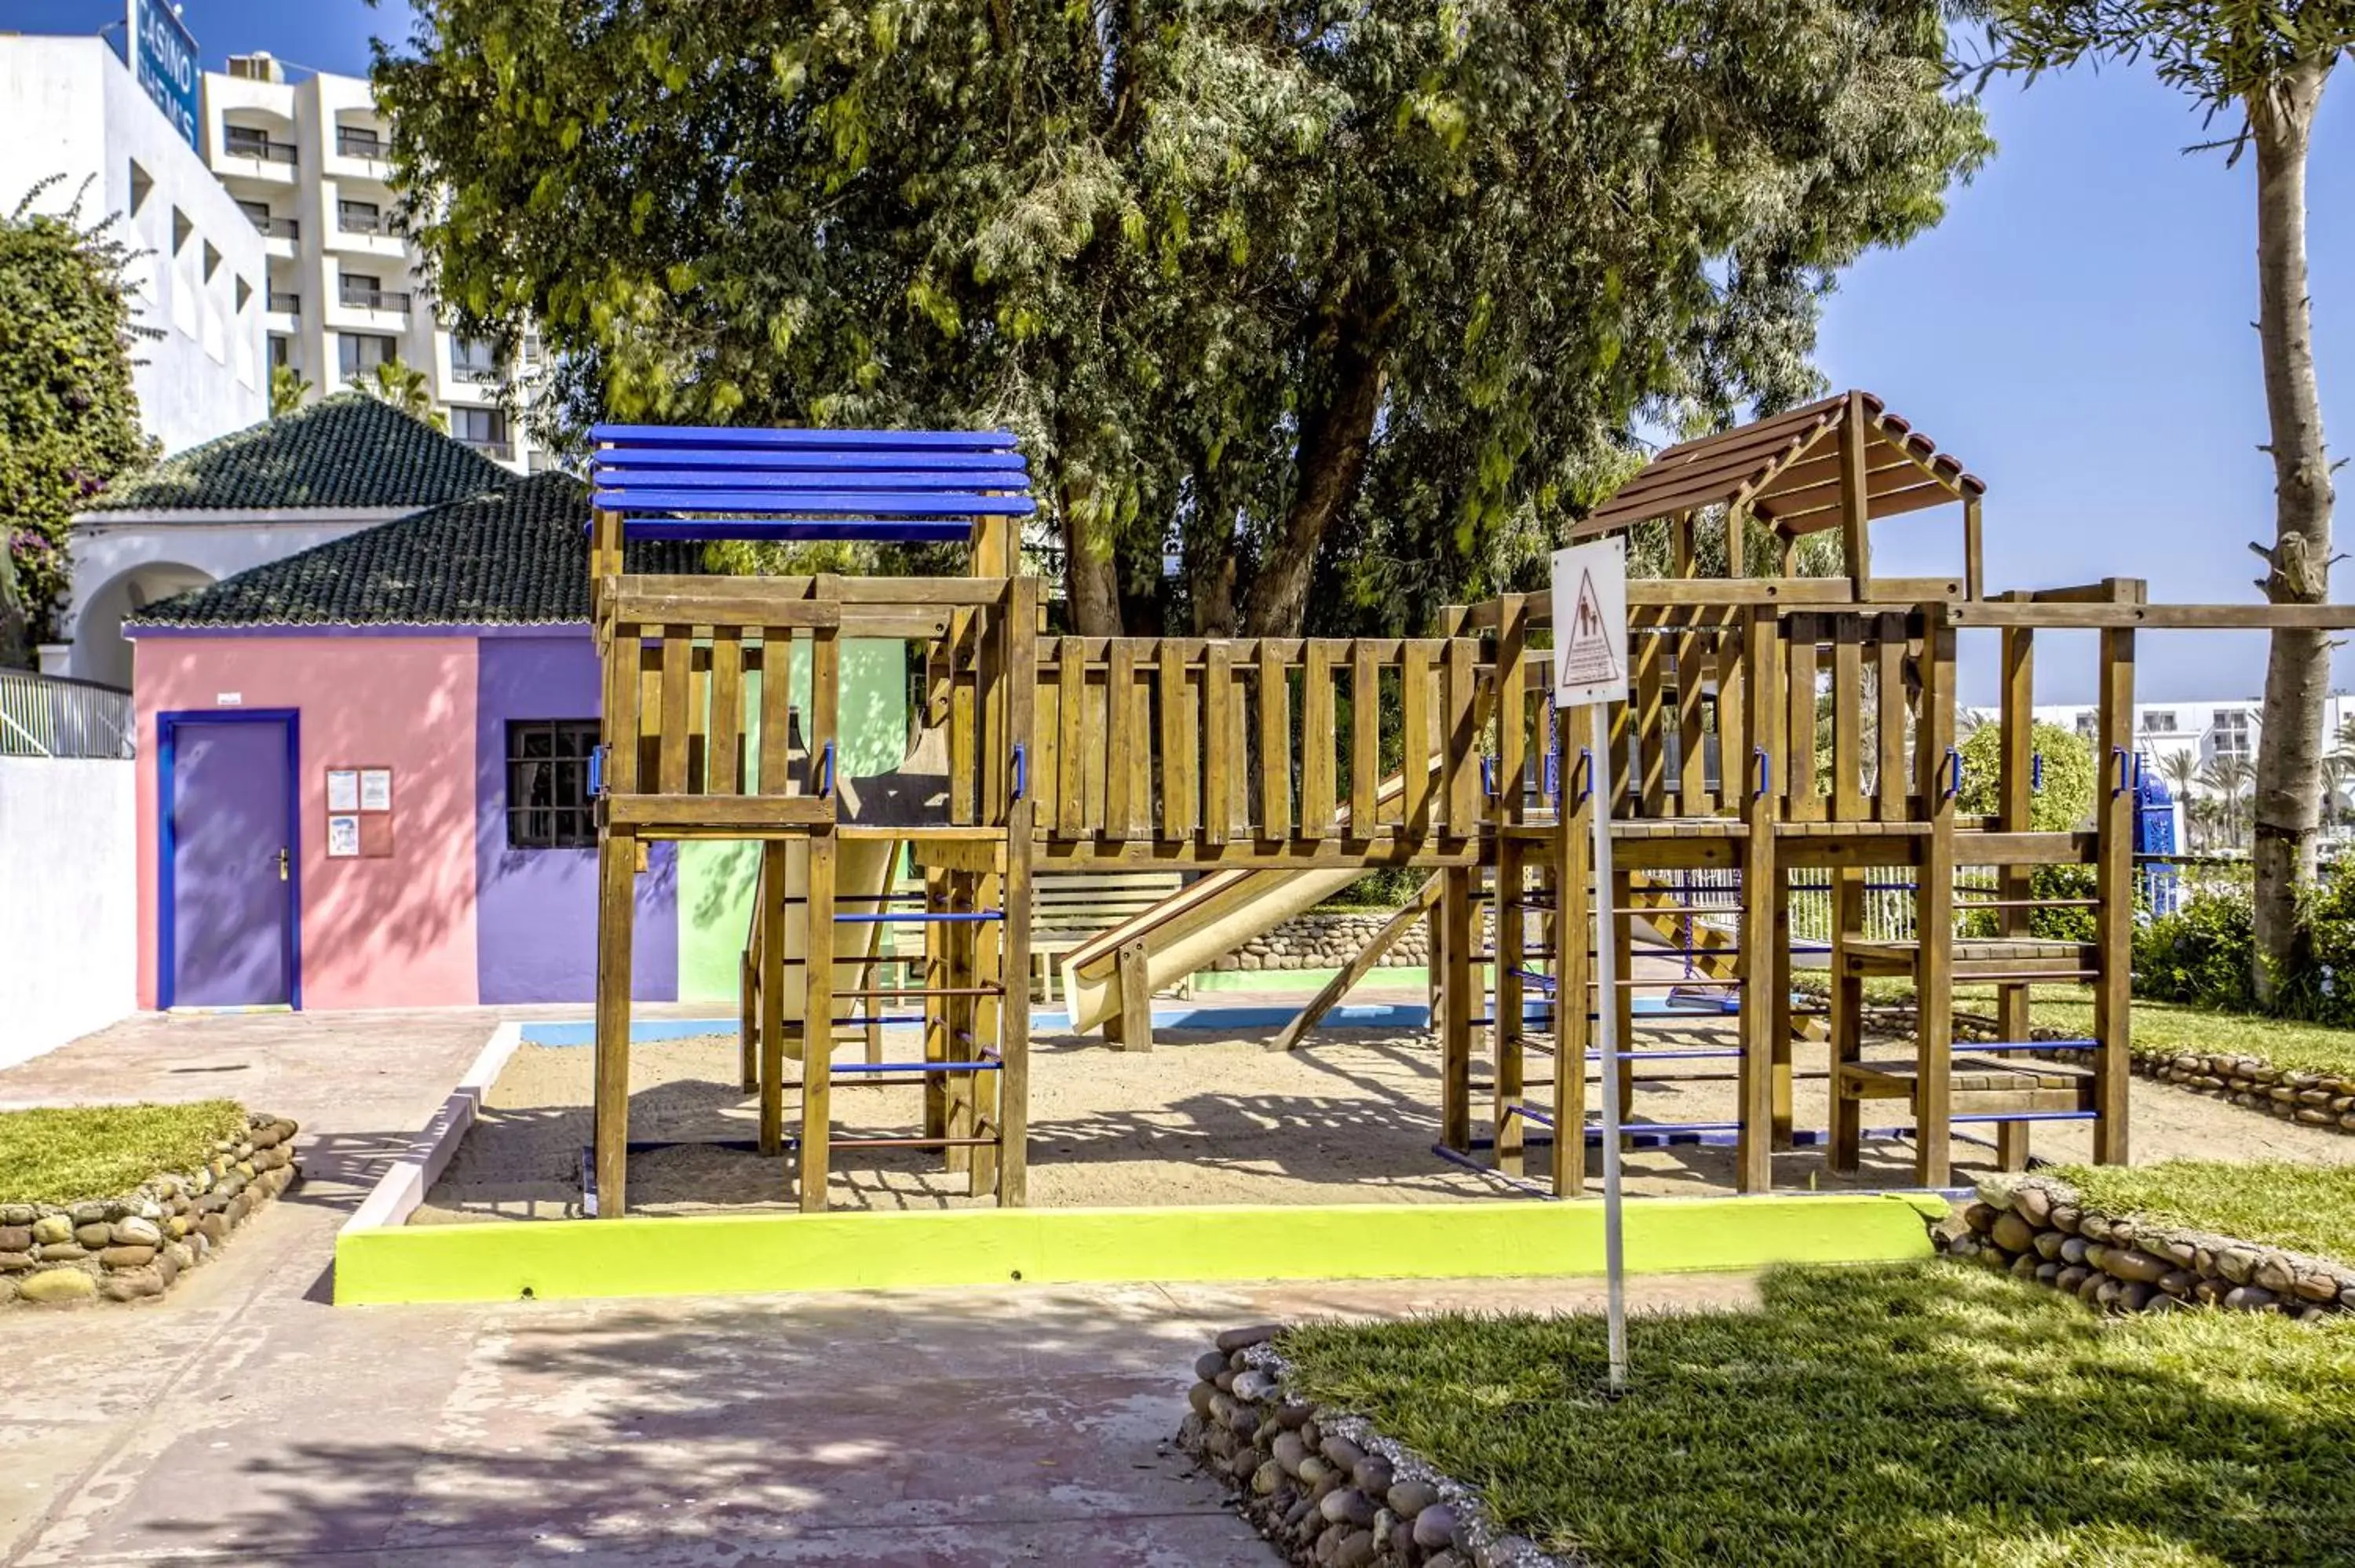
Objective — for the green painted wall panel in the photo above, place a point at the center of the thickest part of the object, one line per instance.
(716, 878)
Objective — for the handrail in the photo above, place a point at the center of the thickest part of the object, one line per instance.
(57, 716)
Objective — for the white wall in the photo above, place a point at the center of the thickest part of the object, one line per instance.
(68, 105)
(69, 933)
(170, 551)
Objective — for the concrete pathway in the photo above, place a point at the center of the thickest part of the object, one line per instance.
(240, 1419)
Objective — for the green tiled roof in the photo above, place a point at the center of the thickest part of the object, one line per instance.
(344, 451)
(517, 555)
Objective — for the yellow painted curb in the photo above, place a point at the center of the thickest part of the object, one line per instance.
(723, 1253)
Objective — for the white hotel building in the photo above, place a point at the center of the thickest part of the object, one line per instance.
(70, 108)
(306, 161)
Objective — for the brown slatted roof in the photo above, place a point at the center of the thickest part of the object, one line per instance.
(1786, 468)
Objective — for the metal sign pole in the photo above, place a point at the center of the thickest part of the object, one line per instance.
(1607, 1031)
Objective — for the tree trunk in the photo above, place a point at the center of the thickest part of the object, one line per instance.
(1334, 440)
(1091, 576)
(2297, 670)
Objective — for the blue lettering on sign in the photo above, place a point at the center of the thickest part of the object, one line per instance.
(163, 57)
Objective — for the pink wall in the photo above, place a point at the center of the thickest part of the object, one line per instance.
(392, 932)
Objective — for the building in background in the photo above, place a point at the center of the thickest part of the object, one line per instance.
(70, 107)
(308, 161)
(326, 470)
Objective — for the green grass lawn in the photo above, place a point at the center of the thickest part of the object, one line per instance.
(66, 1155)
(2158, 1025)
(1921, 1414)
(2308, 1207)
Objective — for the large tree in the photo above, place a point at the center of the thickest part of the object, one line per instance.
(1300, 296)
(68, 418)
(2260, 65)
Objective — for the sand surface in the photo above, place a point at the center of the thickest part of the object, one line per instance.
(1348, 1118)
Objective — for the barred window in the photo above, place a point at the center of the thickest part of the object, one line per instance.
(548, 784)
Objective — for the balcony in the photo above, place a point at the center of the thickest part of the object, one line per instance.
(282, 304)
(476, 374)
(365, 145)
(498, 450)
(256, 145)
(271, 227)
(374, 300)
(252, 155)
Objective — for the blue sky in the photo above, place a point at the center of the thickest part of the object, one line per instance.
(2077, 332)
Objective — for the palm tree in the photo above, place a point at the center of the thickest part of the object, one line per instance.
(2338, 773)
(2181, 771)
(2227, 779)
(406, 390)
(287, 390)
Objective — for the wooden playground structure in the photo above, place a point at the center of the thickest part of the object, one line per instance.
(1782, 732)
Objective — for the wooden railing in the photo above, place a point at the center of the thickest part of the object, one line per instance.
(1274, 739)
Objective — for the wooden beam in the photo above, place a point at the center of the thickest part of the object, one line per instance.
(1456, 1026)
(1856, 538)
(817, 1024)
(1933, 973)
(1753, 1157)
(2114, 817)
(1361, 964)
(617, 869)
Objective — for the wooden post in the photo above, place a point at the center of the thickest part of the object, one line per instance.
(1582, 792)
(1136, 999)
(2015, 813)
(1621, 1000)
(817, 1024)
(1014, 1019)
(965, 1019)
(1856, 538)
(1778, 1001)
(940, 1011)
(1973, 575)
(1507, 1032)
(1846, 1021)
(1456, 1032)
(2114, 817)
(617, 872)
(771, 1078)
(1934, 968)
(1753, 1157)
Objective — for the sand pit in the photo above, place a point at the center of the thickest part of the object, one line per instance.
(1348, 1118)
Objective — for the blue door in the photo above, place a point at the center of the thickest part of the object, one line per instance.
(229, 913)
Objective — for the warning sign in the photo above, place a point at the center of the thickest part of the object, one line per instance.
(1590, 623)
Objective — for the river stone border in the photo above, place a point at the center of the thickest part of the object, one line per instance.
(1328, 941)
(1325, 1486)
(2038, 1228)
(2308, 1099)
(134, 1246)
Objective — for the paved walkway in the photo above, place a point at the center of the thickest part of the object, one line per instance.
(240, 1419)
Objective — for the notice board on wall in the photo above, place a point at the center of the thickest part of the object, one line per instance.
(360, 812)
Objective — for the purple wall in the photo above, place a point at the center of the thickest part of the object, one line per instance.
(535, 910)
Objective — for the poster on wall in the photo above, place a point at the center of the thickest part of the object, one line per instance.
(360, 812)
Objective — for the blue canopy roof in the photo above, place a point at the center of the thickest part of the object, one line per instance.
(689, 481)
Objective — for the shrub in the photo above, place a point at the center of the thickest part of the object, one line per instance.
(2064, 799)
(2201, 954)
